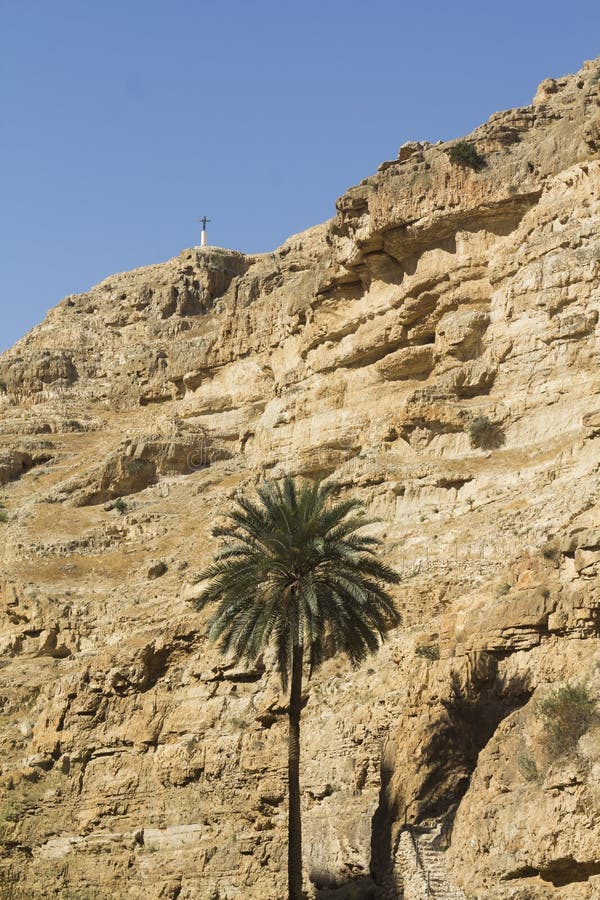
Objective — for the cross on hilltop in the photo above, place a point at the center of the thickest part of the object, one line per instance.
(203, 241)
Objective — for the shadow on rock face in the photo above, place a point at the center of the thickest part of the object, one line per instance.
(382, 825)
(444, 755)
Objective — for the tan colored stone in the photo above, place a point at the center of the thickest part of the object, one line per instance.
(138, 762)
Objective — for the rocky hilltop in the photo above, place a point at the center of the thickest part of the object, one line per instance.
(434, 349)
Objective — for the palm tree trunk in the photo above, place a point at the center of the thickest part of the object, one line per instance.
(294, 820)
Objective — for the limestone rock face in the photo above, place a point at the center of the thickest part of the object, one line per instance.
(137, 762)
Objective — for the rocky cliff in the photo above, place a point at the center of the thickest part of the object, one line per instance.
(434, 349)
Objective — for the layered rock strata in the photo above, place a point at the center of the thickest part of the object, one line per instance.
(138, 763)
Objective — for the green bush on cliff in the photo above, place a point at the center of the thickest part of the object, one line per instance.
(428, 651)
(566, 713)
(527, 766)
(464, 153)
(484, 434)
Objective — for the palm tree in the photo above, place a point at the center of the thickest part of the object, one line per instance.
(293, 572)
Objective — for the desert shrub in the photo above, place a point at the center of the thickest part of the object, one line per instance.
(566, 713)
(503, 589)
(551, 551)
(120, 505)
(12, 811)
(464, 153)
(428, 651)
(484, 433)
(137, 465)
(3, 514)
(527, 766)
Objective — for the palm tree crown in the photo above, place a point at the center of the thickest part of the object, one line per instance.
(292, 569)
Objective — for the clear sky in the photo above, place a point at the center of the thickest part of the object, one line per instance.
(123, 122)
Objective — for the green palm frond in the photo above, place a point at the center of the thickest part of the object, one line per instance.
(294, 564)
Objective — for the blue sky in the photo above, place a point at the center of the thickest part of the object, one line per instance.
(124, 122)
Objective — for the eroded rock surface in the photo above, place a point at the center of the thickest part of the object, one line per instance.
(138, 763)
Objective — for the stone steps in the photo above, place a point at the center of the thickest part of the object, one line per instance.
(419, 869)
